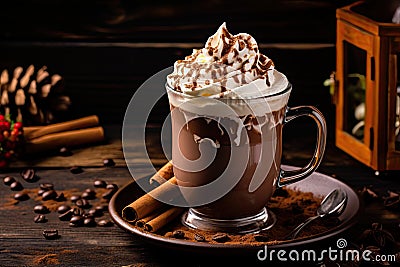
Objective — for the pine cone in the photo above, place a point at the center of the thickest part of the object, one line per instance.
(32, 96)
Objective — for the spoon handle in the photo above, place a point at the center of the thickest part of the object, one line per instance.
(293, 234)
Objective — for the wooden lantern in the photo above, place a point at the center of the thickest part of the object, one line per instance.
(367, 74)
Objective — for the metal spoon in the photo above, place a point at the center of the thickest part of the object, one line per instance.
(332, 205)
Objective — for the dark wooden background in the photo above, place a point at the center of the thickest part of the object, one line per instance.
(106, 49)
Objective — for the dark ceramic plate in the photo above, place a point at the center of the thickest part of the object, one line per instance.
(317, 183)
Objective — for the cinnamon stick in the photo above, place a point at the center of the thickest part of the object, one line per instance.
(148, 203)
(164, 218)
(142, 222)
(163, 174)
(68, 138)
(38, 131)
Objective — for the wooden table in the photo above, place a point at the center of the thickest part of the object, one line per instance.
(22, 243)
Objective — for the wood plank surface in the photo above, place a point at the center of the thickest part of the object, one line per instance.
(284, 20)
(101, 79)
(22, 243)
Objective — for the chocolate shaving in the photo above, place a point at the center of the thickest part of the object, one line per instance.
(222, 51)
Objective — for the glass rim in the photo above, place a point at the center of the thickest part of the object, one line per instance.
(287, 89)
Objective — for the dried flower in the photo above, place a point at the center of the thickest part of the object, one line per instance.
(392, 201)
(368, 194)
(377, 236)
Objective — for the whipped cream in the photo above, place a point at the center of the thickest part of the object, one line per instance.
(229, 66)
(229, 78)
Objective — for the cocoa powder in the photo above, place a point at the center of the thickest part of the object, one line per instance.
(49, 259)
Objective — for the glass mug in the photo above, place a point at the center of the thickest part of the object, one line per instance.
(227, 156)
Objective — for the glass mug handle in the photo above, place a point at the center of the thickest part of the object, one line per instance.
(289, 177)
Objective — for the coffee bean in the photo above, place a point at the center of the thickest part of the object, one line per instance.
(220, 238)
(83, 203)
(108, 194)
(90, 191)
(78, 211)
(89, 222)
(99, 183)
(29, 175)
(87, 215)
(108, 162)
(102, 208)
(40, 219)
(66, 216)
(112, 189)
(65, 152)
(112, 186)
(21, 196)
(40, 192)
(89, 194)
(51, 234)
(76, 169)
(48, 195)
(261, 238)
(46, 186)
(199, 237)
(178, 234)
(75, 221)
(16, 186)
(60, 197)
(95, 212)
(8, 180)
(41, 209)
(74, 198)
(105, 223)
(63, 208)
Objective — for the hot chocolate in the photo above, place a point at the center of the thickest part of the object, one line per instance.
(238, 203)
(228, 107)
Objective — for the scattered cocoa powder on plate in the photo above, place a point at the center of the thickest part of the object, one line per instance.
(290, 209)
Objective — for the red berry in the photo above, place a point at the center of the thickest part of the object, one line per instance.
(7, 124)
(7, 155)
(18, 125)
(2, 118)
(14, 132)
(12, 138)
